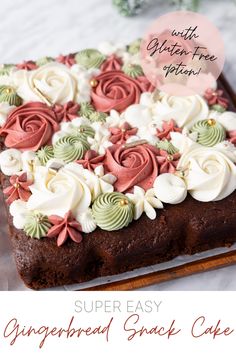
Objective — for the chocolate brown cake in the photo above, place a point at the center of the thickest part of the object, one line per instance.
(89, 192)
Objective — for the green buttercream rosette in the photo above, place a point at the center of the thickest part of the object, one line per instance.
(134, 47)
(167, 146)
(89, 58)
(8, 94)
(83, 132)
(37, 225)
(210, 132)
(113, 211)
(98, 117)
(70, 148)
(132, 70)
(44, 61)
(45, 154)
(218, 108)
(5, 69)
(86, 109)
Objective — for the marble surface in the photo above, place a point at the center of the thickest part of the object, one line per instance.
(33, 29)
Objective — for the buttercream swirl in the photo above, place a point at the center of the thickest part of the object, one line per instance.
(136, 165)
(29, 127)
(36, 225)
(10, 161)
(51, 83)
(70, 148)
(209, 132)
(132, 70)
(170, 189)
(5, 69)
(113, 211)
(44, 61)
(86, 109)
(134, 47)
(8, 94)
(45, 154)
(184, 110)
(210, 174)
(167, 146)
(54, 193)
(87, 221)
(97, 116)
(89, 58)
(115, 90)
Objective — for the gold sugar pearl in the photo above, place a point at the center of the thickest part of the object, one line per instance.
(16, 185)
(169, 158)
(9, 90)
(93, 82)
(211, 122)
(124, 202)
(123, 130)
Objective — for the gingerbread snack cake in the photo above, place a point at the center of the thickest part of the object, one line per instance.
(102, 173)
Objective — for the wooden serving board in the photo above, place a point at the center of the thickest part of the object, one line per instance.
(206, 264)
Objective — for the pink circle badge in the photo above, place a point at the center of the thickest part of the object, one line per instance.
(182, 53)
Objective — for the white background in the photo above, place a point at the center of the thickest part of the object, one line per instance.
(35, 28)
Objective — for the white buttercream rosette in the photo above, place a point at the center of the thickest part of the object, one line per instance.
(53, 83)
(185, 110)
(210, 174)
(54, 193)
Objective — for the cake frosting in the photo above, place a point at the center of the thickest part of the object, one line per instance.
(89, 142)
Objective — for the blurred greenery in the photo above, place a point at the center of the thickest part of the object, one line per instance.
(133, 7)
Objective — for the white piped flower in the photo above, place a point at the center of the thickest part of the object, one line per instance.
(10, 162)
(115, 119)
(99, 182)
(83, 81)
(100, 142)
(86, 221)
(144, 202)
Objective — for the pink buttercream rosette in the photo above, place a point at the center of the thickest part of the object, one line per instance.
(29, 127)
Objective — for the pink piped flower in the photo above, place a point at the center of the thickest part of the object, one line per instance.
(111, 63)
(167, 163)
(19, 188)
(65, 228)
(167, 127)
(216, 97)
(91, 160)
(232, 136)
(67, 60)
(120, 135)
(66, 112)
(27, 65)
